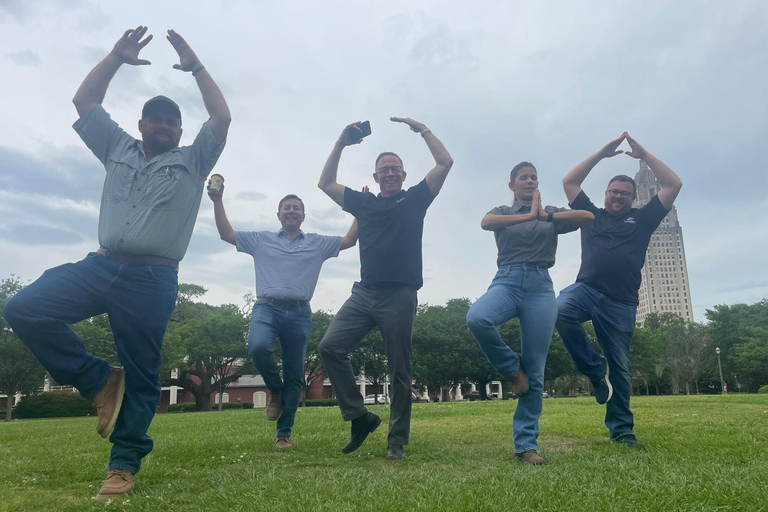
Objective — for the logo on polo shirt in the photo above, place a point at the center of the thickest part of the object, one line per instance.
(630, 220)
(399, 200)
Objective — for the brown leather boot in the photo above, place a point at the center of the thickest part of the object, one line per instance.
(275, 407)
(531, 457)
(109, 400)
(117, 484)
(519, 383)
(282, 443)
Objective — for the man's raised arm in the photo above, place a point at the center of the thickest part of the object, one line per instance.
(573, 180)
(443, 161)
(328, 183)
(226, 232)
(126, 51)
(214, 101)
(669, 181)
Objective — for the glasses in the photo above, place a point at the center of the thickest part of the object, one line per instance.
(387, 170)
(614, 192)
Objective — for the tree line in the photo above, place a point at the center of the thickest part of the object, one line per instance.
(205, 350)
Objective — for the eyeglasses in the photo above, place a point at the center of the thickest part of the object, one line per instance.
(614, 192)
(387, 170)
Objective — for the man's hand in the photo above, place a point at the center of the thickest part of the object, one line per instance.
(609, 150)
(127, 48)
(188, 61)
(638, 151)
(540, 212)
(414, 125)
(350, 135)
(214, 194)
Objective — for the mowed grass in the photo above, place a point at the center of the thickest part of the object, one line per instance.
(703, 453)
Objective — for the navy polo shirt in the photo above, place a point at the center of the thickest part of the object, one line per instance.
(390, 235)
(613, 247)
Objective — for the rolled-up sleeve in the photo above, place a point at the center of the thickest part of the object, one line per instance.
(204, 152)
(101, 134)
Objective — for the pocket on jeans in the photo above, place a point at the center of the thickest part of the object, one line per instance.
(164, 274)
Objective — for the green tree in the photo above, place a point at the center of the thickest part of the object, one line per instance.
(20, 372)
(370, 358)
(313, 365)
(750, 356)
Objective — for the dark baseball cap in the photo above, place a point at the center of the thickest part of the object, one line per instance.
(158, 101)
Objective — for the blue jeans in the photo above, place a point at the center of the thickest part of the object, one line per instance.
(293, 326)
(614, 323)
(525, 292)
(139, 300)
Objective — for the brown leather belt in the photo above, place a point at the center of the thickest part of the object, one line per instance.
(138, 259)
(283, 303)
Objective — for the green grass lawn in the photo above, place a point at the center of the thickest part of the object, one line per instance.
(704, 453)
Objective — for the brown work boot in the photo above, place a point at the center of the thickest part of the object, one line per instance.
(519, 383)
(531, 457)
(109, 400)
(282, 443)
(275, 407)
(117, 484)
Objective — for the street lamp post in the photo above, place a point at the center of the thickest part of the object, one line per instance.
(720, 367)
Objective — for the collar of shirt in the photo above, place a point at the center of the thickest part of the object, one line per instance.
(396, 196)
(284, 232)
(140, 146)
(517, 206)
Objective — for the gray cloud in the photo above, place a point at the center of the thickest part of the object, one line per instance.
(24, 58)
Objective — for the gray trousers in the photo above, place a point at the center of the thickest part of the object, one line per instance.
(394, 311)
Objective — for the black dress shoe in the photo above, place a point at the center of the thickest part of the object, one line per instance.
(361, 427)
(395, 452)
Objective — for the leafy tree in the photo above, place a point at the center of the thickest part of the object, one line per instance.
(20, 372)
(751, 357)
(313, 365)
(370, 358)
(686, 350)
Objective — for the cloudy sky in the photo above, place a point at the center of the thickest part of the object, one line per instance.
(498, 82)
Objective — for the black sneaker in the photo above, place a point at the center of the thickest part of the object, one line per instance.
(630, 441)
(361, 427)
(395, 452)
(603, 388)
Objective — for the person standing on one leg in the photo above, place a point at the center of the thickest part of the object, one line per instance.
(526, 238)
(606, 289)
(391, 228)
(149, 205)
(287, 266)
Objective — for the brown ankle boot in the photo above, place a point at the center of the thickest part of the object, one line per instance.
(519, 383)
(117, 484)
(108, 402)
(531, 457)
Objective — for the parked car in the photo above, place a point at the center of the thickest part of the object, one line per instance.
(374, 399)
(546, 395)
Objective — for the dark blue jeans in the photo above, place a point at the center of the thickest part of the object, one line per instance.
(614, 324)
(138, 300)
(525, 292)
(293, 326)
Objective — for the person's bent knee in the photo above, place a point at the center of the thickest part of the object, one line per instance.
(476, 320)
(16, 311)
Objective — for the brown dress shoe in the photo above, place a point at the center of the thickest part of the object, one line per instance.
(531, 457)
(109, 400)
(519, 383)
(275, 406)
(282, 443)
(117, 483)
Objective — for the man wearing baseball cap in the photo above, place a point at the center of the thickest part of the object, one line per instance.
(149, 204)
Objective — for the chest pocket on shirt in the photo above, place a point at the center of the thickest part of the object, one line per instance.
(163, 187)
(119, 181)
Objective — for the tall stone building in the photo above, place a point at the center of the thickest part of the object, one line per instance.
(665, 287)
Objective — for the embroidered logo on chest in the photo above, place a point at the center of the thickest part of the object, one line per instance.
(630, 220)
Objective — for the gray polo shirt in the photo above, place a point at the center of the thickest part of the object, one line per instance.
(287, 269)
(533, 242)
(147, 207)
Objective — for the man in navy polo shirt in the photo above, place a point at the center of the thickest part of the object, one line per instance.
(287, 265)
(391, 228)
(612, 256)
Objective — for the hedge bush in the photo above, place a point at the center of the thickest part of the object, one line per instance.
(324, 402)
(191, 407)
(55, 404)
(763, 389)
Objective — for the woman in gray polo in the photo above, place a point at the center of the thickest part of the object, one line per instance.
(526, 237)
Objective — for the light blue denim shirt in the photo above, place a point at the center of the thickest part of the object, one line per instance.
(147, 207)
(287, 269)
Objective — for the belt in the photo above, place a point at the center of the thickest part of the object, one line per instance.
(138, 259)
(283, 303)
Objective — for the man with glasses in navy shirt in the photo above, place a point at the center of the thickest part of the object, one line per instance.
(612, 256)
(391, 228)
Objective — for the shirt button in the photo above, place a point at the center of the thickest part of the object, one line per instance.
(133, 206)
(139, 189)
(127, 223)
(121, 239)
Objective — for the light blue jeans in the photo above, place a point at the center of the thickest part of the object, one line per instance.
(522, 291)
(293, 326)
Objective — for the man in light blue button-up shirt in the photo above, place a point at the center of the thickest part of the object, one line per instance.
(151, 197)
(287, 265)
